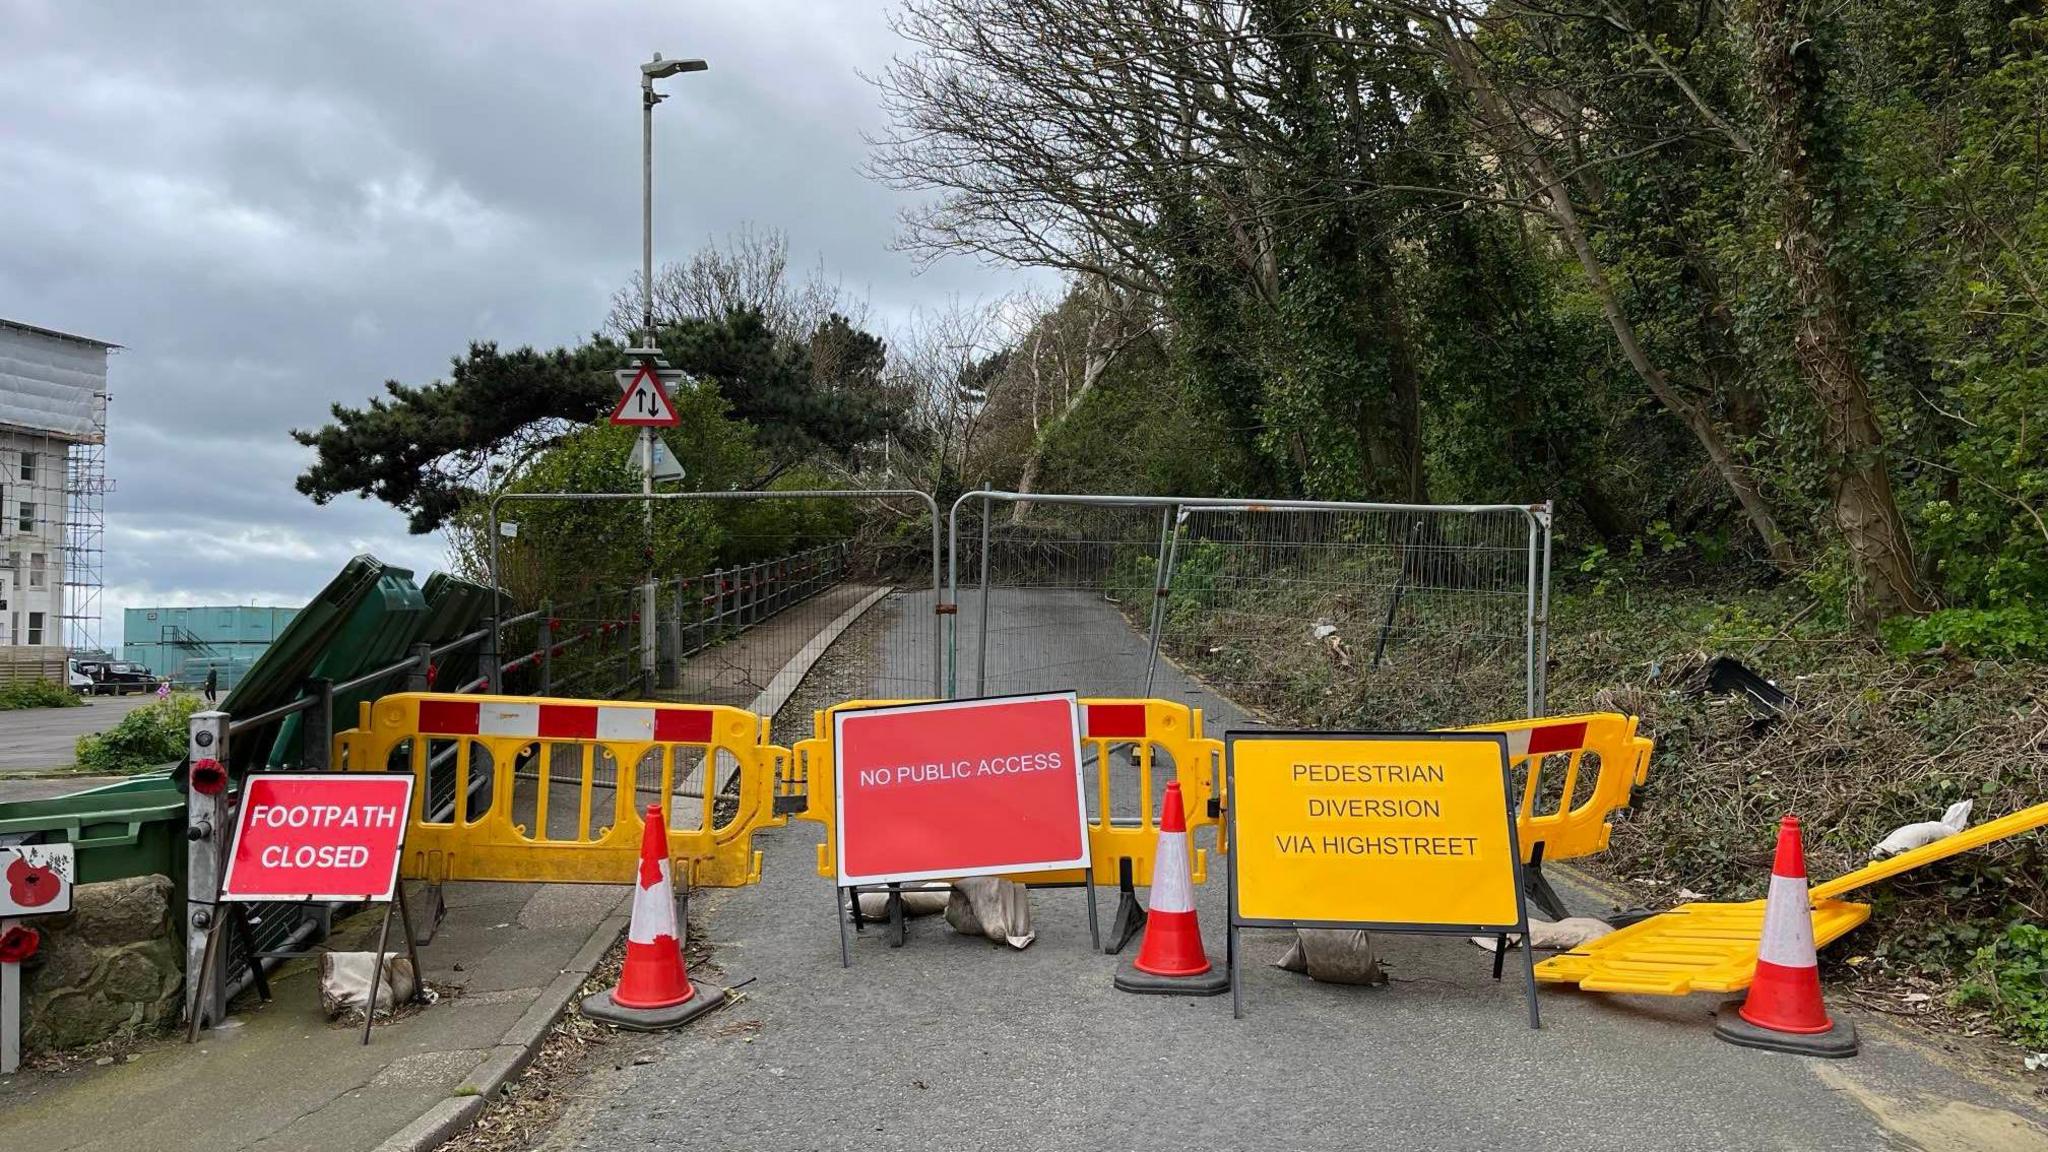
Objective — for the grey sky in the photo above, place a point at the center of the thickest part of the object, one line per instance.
(279, 206)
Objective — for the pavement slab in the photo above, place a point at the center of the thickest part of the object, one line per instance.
(281, 1076)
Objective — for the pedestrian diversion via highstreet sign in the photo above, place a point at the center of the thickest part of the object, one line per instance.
(1401, 832)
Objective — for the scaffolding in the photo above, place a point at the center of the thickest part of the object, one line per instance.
(85, 534)
(53, 486)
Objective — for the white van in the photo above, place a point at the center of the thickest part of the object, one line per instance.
(77, 681)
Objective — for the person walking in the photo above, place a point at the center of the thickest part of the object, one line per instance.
(212, 685)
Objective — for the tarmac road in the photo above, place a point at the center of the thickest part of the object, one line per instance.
(954, 1043)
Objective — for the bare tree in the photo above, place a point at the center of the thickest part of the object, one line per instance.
(1063, 356)
(749, 269)
(1130, 144)
(941, 365)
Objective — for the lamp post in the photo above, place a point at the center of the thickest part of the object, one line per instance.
(655, 69)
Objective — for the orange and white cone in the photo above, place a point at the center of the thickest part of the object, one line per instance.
(1171, 960)
(654, 990)
(1783, 1011)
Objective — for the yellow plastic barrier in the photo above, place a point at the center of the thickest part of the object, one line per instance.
(1553, 823)
(1692, 948)
(522, 789)
(1712, 947)
(1150, 734)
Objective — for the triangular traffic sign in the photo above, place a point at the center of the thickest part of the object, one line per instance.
(645, 404)
(666, 466)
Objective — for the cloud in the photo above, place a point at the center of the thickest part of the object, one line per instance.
(277, 207)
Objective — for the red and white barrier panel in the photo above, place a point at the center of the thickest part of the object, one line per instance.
(538, 721)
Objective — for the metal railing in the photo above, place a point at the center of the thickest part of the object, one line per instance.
(746, 595)
(708, 609)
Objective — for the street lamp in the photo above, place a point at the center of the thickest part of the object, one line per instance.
(655, 69)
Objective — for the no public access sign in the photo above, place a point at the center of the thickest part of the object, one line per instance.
(959, 788)
(318, 836)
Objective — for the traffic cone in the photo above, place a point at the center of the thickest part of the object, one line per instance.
(1783, 1011)
(1171, 960)
(654, 991)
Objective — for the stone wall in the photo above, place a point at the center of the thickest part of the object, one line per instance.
(109, 967)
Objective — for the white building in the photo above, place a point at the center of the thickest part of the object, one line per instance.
(53, 434)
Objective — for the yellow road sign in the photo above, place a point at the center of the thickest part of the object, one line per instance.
(1409, 831)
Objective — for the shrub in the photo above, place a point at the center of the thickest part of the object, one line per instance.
(36, 694)
(152, 735)
(2007, 976)
(2014, 632)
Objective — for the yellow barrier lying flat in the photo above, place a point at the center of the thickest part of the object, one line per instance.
(1692, 948)
(1712, 947)
(522, 789)
(1552, 822)
(1153, 735)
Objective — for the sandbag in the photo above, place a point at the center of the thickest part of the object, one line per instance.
(1334, 956)
(1553, 935)
(993, 907)
(345, 982)
(916, 902)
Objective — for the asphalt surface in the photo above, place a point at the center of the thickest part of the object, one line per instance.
(955, 1043)
(43, 739)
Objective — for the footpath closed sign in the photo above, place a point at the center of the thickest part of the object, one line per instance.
(318, 836)
(959, 788)
(1408, 831)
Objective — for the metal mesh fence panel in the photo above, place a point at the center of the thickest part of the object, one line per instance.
(814, 564)
(1059, 601)
(1298, 613)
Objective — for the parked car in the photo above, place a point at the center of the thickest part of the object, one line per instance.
(117, 677)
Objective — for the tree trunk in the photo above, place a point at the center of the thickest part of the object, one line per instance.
(1787, 82)
(1555, 203)
(1099, 355)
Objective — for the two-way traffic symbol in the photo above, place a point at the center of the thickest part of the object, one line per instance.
(644, 403)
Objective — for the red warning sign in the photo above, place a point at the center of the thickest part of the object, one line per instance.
(645, 403)
(959, 788)
(318, 836)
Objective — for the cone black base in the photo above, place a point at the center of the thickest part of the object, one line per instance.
(1214, 982)
(704, 998)
(1836, 1043)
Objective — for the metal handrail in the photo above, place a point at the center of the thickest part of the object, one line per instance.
(931, 506)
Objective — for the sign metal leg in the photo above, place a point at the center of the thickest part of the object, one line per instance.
(412, 950)
(10, 1012)
(1235, 964)
(1529, 964)
(376, 976)
(206, 962)
(1094, 925)
(839, 898)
